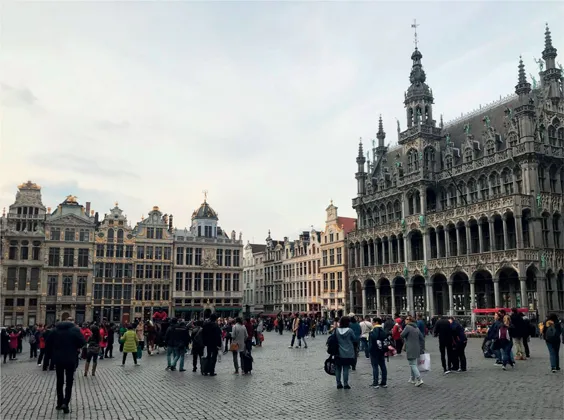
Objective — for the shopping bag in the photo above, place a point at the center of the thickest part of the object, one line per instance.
(329, 366)
(424, 362)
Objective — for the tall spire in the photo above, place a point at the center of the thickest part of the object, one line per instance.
(360, 158)
(523, 87)
(549, 54)
(381, 134)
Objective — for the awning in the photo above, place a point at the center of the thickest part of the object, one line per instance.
(184, 309)
(228, 308)
(494, 310)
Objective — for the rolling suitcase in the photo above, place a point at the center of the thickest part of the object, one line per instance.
(247, 362)
(205, 365)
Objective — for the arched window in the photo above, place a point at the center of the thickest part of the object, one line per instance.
(507, 180)
(512, 141)
(383, 214)
(390, 210)
(110, 235)
(452, 194)
(443, 197)
(376, 215)
(412, 161)
(552, 134)
(468, 155)
(81, 286)
(397, 209)
(517, 174)
(462, 192)
(495, 183)
(448, 162)
(556, 230)
(120, 235)
(552, 174)
(473, 190)
(67, 286)
(484, 187)
(490, 148)
(542, 177)
(429, 158)
(561, 137)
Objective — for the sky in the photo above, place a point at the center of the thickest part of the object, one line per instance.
(261, 104)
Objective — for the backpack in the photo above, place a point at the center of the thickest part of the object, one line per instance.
(198, 339)
(379, 337)
(551, 335)
(32, 339)
(333, 344)
(503, 333)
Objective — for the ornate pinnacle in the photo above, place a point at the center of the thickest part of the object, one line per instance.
(549, 50)
(381, 135)
(522, 74)
(523, 87)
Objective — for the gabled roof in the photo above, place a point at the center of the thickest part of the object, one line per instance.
(348, 223)
(257, 248)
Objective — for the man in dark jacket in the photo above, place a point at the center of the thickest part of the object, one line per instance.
(459, 345)
(179, 339)
(48, 361)
(493, 335)
(65, 341)
(444, 332)
(212, 341)
(168, 337)
(517, 331)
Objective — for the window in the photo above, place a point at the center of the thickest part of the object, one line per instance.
(140, 252)
(128, 271)
(99, 270)
(219, 256)
(166, 272)
(180, 256)
(236, 282)
(110, 235)
(109, 270)
(556, 231)
(159, 233)
(179, 282)
(12, 273)
(512, 141)
(129, 251)
(120, 236)
(197, 256)
(99, 250)
(339, 281)
(54, 257)
(552, 135)
(484, 188)
(150, 233)
(69, 235)
(228, 258)
(208, 231)
(197, 282)
(332, 281)
(119, 271)
(331, 237)
(67, 285)
(158, 271)
(158, 253)
(55, 234)
(139, 271)
(448, 162)
(117, 291)
(22, 278)
(119, 251)
(108, 291)
(157, 292)
(36, 251)
(339, 256)
(325, 282)
(97, 291)
(227, 282)
(24, 251)
(324, 257)
(149, 271)
(188, 282)
(138, 292)
(331, 257)
(218, 282)
(507, 181)
(429, 159)
(167, 253)
(148, 292)
(545, 230)
(84, 235)
(473, 188)
(149, 254)
(397, 210)
(13, 252)
(52, 286)
(208, 282)
(166, 292)
(189, 256)
(127, 292)
(490, 148)
(542, 177)
(110, 250)
(81, 285)
(552, 179)
(34, 279)
(236, 259)
(83, 257)
(495, 183)
(468, 155)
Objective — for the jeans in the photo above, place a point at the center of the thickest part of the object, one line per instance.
(169, 356)
(460, 357)
(212, 354)
(364, 346)
(379, 362)
(134, 354)
(506, 354)
(33, 350)
(344, 370)
(446, 362)
(553, 352)
(179, 353)
(399, 345)
(236, 356)
(65, 372)
(228, 341)
(414, 370)
(519, 348)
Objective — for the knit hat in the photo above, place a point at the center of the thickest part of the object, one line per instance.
(352, 314)
(398, 320)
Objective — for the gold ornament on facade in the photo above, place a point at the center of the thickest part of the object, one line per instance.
(71, 199)
(29, 186)
(155, 208)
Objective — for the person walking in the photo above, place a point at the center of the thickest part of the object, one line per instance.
(239, 337)
(517, 332)
(505, 344)
(552, 333)
(129, 345)
(212, 342)
(459, 345)
(346, 355)
(295, 330)
(92, 350)
(378, 345)
(65, 341)
(414, 347)
(443, 330)
(197, 337)
(111, 335)
(365, 328)
(180, 339)
(4, 343)
(140, 332)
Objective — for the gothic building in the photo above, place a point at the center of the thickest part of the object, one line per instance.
(22, 238)
(207, 268)
(113, 268)
(253, 277)
(153, 264)
(468, 214)
(66, 286)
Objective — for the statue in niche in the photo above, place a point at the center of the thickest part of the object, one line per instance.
(487, 121)
(533, 78)
(422, 221)
(405, 271)
(543, 261)
(467, 129)
(539, 202)
(425, 270)
(403, 225)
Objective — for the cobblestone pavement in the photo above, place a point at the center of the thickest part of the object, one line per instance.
(290, 384)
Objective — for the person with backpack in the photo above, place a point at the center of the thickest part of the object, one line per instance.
(341, 345)
(92, 350)
(505, 344)
(33, 343)
(377, 344)
(197, 344)
(552, 334)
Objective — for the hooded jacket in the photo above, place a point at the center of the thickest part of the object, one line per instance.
(345, 337)
(65, 341)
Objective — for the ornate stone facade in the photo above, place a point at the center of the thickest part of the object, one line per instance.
(207, 268)
(66, 285)
(253, 277)
(468, 214)
(22, 252)
(152, 282)
(113, 268)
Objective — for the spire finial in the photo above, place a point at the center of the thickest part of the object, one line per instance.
(522, 74)
(381, 135)
(523, 86)
(414, 25)
(547, 38)
(331, 201)
(205, 195)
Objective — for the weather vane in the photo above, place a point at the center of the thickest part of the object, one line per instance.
(205, 195)
(414, 25)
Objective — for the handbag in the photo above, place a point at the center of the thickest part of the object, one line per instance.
(329, 366)
(234, 347)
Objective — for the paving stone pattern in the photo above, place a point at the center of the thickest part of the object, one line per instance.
(289, 384)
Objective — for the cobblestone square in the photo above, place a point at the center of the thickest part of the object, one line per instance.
(289, 384)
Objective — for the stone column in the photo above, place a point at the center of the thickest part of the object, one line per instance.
(480, 237)
(364, 301)
(524, 297)
(393, 300)
(351, 297)
(450, 299)
(378, 304)
(370, 258)
(400, 245)
(447, 243)
(492, 235)
(468, 239)
(407, 251)
(519, 232)
(473, 302)
(458, 244)
(430, 298)
(409, 298)
(390, 252)
(505, 234)
(497, 299)
(438, 243)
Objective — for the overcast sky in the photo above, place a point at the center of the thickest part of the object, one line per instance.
(260, 103)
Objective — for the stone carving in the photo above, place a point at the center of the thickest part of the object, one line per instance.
(533, 78)
(421, 221)
(467, 129)
(208, 258)
(487, 122)
(540, 62)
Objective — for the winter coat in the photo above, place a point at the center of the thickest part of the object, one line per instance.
(414, 341)
(197, 337)
(212, 335)
(93, 345)
(346, 338)
(355, 327)
(5, 342)
(129, 342)
(14, 340)
(65, 341)
(239, 335)
(140, 331)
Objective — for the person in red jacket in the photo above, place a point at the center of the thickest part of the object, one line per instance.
(396, 335)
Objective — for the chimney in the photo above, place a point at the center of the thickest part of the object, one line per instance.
(170, 223)
(88, 208)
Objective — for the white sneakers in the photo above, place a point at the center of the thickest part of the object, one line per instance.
(416, 382)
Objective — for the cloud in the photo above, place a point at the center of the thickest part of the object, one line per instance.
(111, 125)
(17, 96)
(73, 163)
